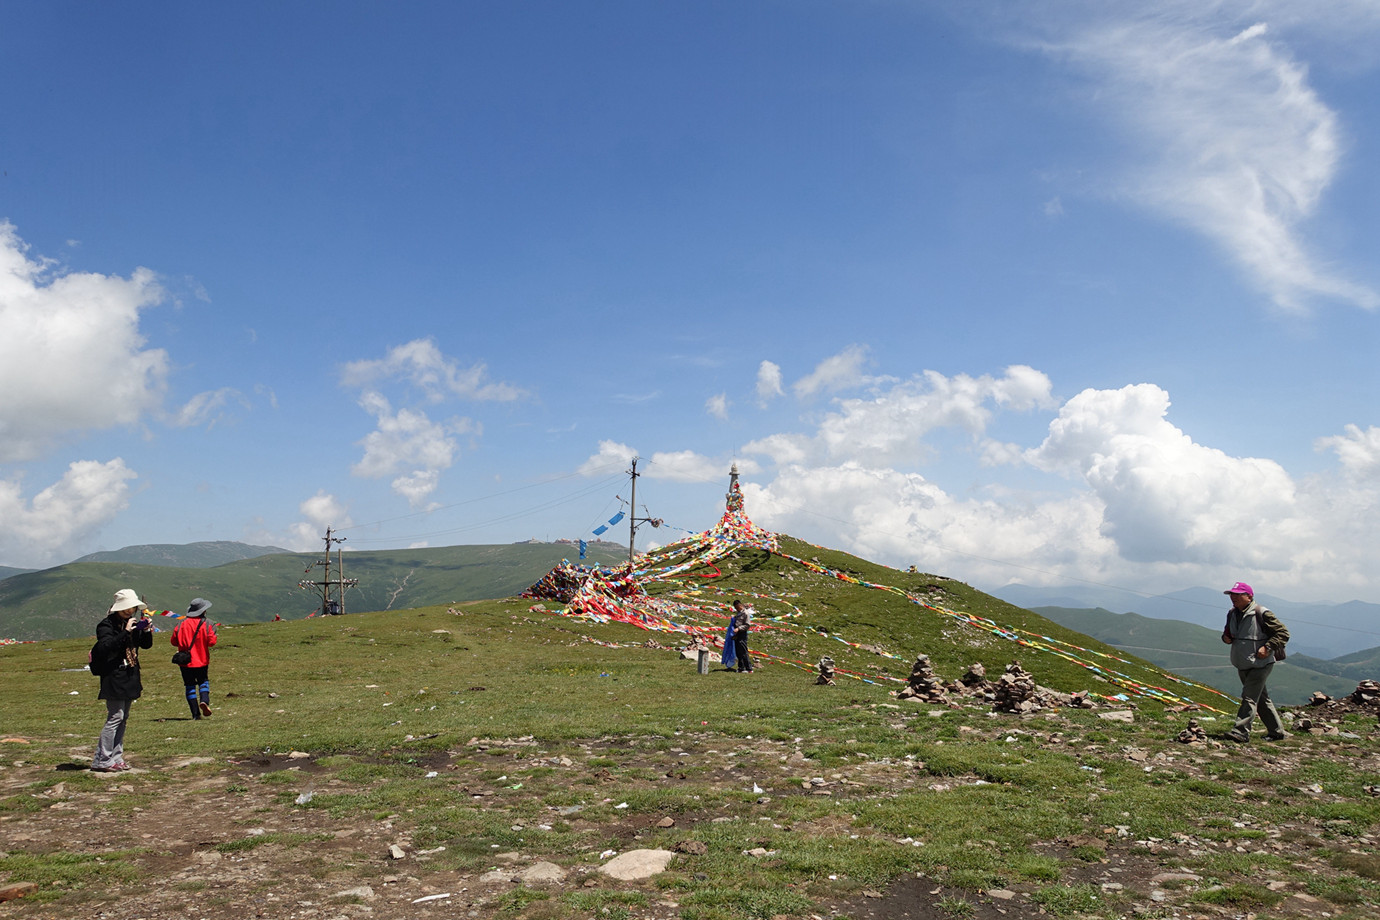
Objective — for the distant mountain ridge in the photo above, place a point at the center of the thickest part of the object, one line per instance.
(1323, 631)
(203, 555)
(1197, 653)
(68, 600)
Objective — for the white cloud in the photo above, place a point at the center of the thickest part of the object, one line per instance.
(204, 408)
(768, 383)
(1165, 498)
(612, 457)
(891, 426)
(717, 406)
(322, 510)
(672, 466)
(1237, 143)
(408, 441)
(42, 531)
(1358, 451)
(903, 519)
(839, 372)
(408, 444)
(72, 358)
(439, 377)
(1137, 501)
(688, 466)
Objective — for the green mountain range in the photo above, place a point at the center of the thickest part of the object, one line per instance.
(202, 555)
(254, 584)
(69, 599)
(1197, 653)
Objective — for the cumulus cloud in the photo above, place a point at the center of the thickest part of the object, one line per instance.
(72, 358)
(890, 427)
(1148, 504)
(611, 457)
(408, 444)
(88, 496)
(408, 441)
(1166, 498)
(673, 466)
(903, 519)
(717, 406)
(1236, 143)
(322, 510)
(1358, 451)
(421, 363)
(768, 383)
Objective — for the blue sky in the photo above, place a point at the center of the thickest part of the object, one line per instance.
(1044, 292)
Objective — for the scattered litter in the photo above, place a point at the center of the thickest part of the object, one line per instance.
(431, 897)
(305, 797)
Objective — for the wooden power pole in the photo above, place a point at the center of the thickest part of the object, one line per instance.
(332, 590)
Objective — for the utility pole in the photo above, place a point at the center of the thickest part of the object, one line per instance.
(329, 606)
(633, 519)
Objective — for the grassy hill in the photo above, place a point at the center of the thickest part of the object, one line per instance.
(1198, 653)
(7, 571)
(68, 600)
(201, 555)
(503, 737)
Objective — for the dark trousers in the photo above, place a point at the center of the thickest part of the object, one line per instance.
(198, 688)
(740, 651)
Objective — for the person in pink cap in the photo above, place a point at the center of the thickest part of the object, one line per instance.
(1257, 639)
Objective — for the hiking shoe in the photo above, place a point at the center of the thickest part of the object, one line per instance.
(1278, 736)
(1238, 737)
(205, 708)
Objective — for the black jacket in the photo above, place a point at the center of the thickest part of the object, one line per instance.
(113, 640)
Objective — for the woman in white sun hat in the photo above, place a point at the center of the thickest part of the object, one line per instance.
(118, 640)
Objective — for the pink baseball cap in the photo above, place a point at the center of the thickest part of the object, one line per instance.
(1240, 588)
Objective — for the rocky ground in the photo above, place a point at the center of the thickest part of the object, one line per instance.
(191, 830)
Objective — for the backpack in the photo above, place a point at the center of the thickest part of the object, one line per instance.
(101, 665)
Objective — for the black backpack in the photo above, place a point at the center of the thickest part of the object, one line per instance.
(100, 663)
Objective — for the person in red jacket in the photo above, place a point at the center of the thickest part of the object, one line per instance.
(195, 636)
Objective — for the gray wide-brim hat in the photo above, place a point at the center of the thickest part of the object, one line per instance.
(198, 607)
(125, 598)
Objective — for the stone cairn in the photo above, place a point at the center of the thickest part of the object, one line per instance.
(1016, 691)
(975, 679)
(826, 672)
(1193, 734)
(922, 685)
(1365, 698)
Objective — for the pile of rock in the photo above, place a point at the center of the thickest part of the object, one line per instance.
(826, 672)
(1080, 700)
(922, 685)
(1365, 698)
(1016, 691)
(1193, 734)
(975, 679)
